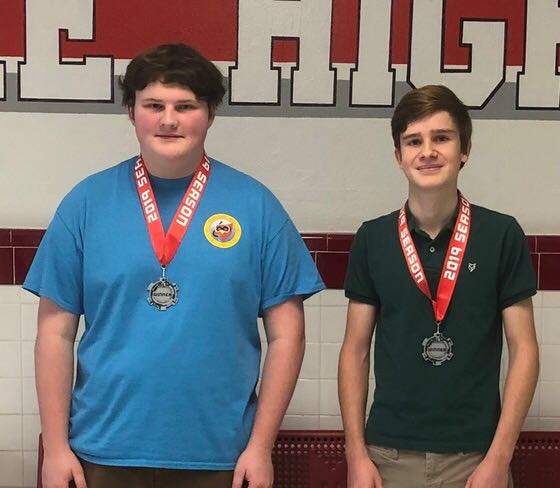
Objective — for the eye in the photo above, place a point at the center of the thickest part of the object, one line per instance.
(441, 138)
(413, 142)
(153, 106)
(183, 107)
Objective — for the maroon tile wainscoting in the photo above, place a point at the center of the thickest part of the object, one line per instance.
(329, 250)
(17, 249)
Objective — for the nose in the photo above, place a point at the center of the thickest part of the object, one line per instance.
(428, 150)
(169, 118)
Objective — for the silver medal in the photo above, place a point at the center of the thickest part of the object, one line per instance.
(163, 294)
(437, 349)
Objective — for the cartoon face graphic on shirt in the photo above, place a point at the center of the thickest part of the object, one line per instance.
(222, 230)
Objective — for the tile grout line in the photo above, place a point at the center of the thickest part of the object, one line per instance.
(320, 359)
(13, 265)
(21, 379)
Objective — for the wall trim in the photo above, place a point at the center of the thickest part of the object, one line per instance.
(329, 250)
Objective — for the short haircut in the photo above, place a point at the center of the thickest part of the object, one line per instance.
(425, 101)
(173, 64)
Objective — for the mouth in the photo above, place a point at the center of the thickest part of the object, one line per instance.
(429, 168)
(169, 136)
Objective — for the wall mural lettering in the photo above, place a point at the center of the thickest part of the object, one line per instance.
(293, 58)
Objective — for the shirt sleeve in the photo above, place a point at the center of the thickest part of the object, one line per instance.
(287, 268)
(517, 279)
(56, 271)
(359, 284)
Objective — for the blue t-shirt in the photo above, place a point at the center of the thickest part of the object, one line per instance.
(173, 388)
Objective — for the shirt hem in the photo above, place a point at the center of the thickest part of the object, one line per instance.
(423, 447)
(360, 298)
(508, 302)
(37, 291)
(151, 463)
(304, 292)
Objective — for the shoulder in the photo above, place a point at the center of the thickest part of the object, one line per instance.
(108, 175)
(492, 222)
(96, 186)
(231, 181)
(490, 215)
(380, 225)
(379, 234)
(105, 176)
(497, 234)
(229, 175)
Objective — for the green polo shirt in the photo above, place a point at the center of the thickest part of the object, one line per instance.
(453, 407)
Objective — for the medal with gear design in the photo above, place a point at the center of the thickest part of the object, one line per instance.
(437, 349)
(163, 294)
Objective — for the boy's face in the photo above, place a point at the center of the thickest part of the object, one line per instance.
(430, 155)
(170, 122)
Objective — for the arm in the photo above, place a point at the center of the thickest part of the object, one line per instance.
(521, 380)
(284, 326)
(353, 373)
(54, 366)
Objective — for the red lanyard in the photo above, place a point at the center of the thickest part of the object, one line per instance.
(166, 245)
(451, 265)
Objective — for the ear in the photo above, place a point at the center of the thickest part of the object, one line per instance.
(211, 116)
(130, 111)
(398, 157)
(465, 155)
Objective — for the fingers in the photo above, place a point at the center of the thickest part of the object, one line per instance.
(377, 481)
(238, 477)
(79, 478)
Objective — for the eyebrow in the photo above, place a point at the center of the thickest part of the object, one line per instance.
(435, 131)
(159, 100)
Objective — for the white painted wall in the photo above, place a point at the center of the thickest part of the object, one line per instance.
(331, 174)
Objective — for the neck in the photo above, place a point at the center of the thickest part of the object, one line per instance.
(172, 168)
(432, 210)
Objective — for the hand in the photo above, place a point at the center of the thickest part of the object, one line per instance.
(362, 473)
(489, 474)
(254, 466)
(60, 468)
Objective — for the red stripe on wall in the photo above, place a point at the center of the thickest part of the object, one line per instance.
(12, 28)
(330, 252)
(124, 28)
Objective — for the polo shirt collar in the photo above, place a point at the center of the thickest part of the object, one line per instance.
(414, 227)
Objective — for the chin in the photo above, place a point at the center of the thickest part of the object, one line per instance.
(172, 155)
(430, 185)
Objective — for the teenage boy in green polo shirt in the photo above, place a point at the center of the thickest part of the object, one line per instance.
(437, 280)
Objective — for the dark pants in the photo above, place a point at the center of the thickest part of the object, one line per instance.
(98, 476)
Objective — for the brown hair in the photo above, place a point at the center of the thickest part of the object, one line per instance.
(425, 101)
(173, 64)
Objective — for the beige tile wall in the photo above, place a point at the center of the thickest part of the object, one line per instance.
(314, 405)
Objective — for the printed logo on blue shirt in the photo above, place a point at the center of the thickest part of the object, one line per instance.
(222, 230)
